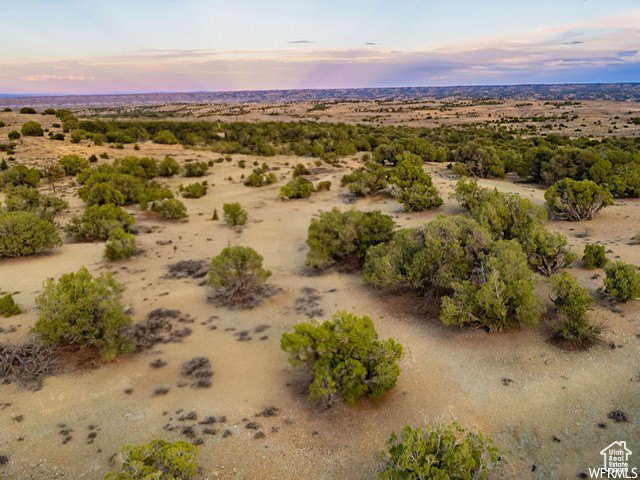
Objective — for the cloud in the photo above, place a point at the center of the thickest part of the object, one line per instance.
(600, 51)
(48, 78)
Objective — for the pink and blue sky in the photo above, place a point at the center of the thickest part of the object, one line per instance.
(118, 46)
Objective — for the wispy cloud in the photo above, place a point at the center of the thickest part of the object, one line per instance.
(598, 51)
(48, 78)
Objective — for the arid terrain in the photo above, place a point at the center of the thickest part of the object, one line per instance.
(546, 408)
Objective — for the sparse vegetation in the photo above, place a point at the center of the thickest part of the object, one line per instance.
(85, 311)
(120, 245)
(196, 169)
(234, 214)
(28, 199)
(32, 129)
(165, 137)
(25, 233)
(193, 190)
(73, 164)
(572, 302)
(97, 222)
(299, 187)
(500, 295)
(237, 276)
(572, 200)
(168, 167)
(594, 256)
(20, 175)
(8, 306)
(337, 236)
(159, 460)
(622, 282)
(345, 356)
(170, 209)
(443, 451)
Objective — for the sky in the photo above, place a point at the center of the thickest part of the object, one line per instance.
(125, 46)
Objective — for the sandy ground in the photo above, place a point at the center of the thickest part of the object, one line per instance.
(545, 420)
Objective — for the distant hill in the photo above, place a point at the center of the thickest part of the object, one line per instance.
(594, 91)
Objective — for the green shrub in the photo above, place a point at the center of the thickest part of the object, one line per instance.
(102, 194)
(367, 180)
(416, 191)
(57, 136)
(547, 252)
(260, 179)
(576, 200)
(76, 136)
(97, 222)
(28, 110)
(572, 302)
(32, 129)
(326, 185)
(120, 245)
(73, 164)
(157, 460)
(170, 209)
(195, 169)
(297, 188)
(8, 306)
(20, 175)
(28, 199)
(505, 215)
(193, 190)
(237, 276)
(595, 256)
(138, 167)
(234, 214)
(622, 281)
(107, 184)
(431, 258)
(479, 160)
(24, 233)
(168, 167)
(85, 311)
(14, 135)
(165, 137)
(342, 236)
(443, 451)
(345, 356)
(299, 170)
(500, 296)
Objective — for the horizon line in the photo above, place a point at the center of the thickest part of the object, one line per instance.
(7, 95)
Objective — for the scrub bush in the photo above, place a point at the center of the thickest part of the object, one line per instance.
(237, 276)
(120, 245)
(595, 256)
(622, 281)
(344, 236)
(97, 222)
(443, 451)
(25, 233)
(345, 356)
(85, 311)
(234, 214)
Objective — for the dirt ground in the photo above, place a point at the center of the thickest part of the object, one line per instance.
(546, 408)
